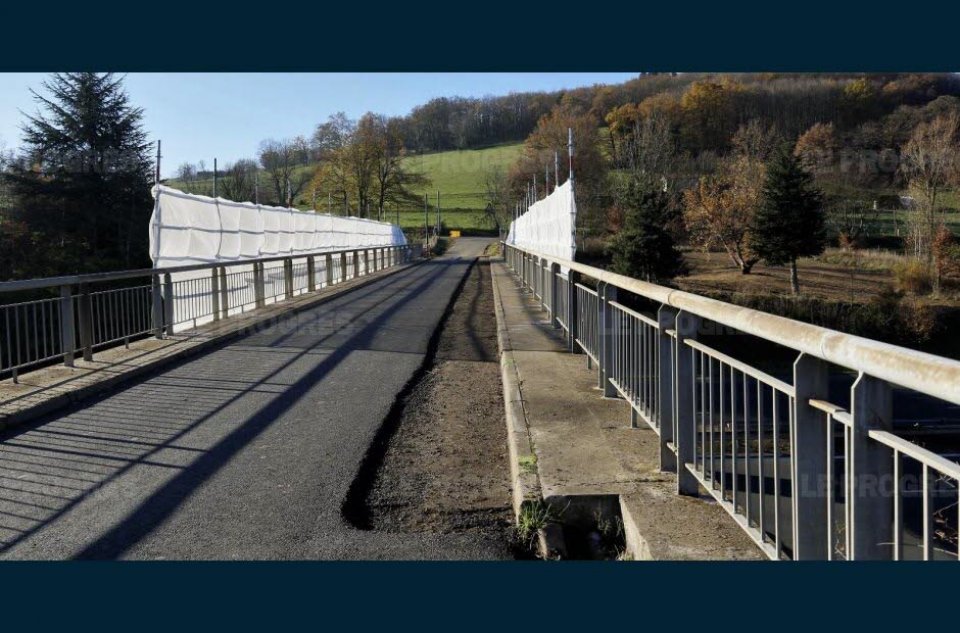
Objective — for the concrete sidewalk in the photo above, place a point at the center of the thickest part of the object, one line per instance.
(589, 461)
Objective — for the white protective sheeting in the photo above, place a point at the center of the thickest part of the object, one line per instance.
(187, 229)
(191, 229)
(549, 225)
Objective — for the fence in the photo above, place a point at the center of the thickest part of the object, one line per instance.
(804, 477)
(82, 314)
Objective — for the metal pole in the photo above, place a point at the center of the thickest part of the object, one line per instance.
(156, 176)
(426, 215)
(570, 150)
(438, 212)
(256, 187)
(329, 203)
(556, 169)
(214, 177)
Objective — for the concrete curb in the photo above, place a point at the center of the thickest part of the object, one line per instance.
(89, 390)
(524, 474)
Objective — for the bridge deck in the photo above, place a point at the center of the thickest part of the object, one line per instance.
(247, 451)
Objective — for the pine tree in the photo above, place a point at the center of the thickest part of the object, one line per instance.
(645, 247)
(789, 222)
(83, 180)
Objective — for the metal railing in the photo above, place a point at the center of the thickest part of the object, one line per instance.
(805, 478)
(43, 321)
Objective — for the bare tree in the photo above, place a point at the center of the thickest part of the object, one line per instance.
(929, 161)
(283, 162)
(497, 195)
(239, 180)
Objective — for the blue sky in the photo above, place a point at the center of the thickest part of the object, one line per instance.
(202, 116)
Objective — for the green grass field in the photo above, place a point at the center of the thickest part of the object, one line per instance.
(459, 175)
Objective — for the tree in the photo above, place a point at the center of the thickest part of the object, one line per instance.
(497, 195)
(84, 177)
(719, 211)
(789, 222)
(238, 181)
(930, 162)
(645, 248)
(284, 163)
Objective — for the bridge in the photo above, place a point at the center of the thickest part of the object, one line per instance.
(228, 414)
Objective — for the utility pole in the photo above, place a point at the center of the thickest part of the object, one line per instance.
(438, 213)
(556, 169)
(156, 176)
(214, 177)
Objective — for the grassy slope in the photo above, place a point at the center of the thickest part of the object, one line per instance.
(458, 175)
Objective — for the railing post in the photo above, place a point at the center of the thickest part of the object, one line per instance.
(809, 451)
(288, 277)
(215, 293)
(258, 285)
(366, 261)
(68, 337)
(86, 322)
(870, 483)
(666, 320)
(608, 339)
(683, 389)
(572, 305)
(311, 273)
(356, 264)
(224, 294)
(554, 291)
(541, 269)
(329, 268)
(343, 267)
(156, 290)
(168, 313)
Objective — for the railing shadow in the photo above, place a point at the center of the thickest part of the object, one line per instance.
(51, 466)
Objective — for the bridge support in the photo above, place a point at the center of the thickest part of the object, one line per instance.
(554, 293)
(328, 265)
(311, 274)
(666, 320)
(810, 380)
(870, 483)
(684, 375)
(68, 337)
(573, 328)
(606, 293)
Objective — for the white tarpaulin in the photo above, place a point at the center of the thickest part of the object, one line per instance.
(191, 229)
(548, 226)
(188, 229)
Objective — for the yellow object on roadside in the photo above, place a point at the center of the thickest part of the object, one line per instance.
(454, 233)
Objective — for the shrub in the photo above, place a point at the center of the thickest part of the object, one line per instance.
(913, 277)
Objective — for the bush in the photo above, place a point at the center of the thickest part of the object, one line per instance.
(913, 277)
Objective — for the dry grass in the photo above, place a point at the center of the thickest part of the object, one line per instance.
(837, 275)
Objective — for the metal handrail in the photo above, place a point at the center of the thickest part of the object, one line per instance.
(927, 373)
(86, 278)
(746, 436)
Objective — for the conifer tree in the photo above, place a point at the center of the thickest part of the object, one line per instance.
(83, 180)
(645, 248)
(789, 222)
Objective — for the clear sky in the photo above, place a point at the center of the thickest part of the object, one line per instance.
(202, 116)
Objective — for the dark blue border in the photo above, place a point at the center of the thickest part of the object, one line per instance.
(489, 36)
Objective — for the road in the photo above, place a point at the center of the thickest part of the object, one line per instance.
(246, 452)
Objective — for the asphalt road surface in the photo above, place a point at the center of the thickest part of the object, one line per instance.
(246, 452)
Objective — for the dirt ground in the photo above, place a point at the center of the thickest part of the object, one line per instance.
(446, 467)
(820, 279)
